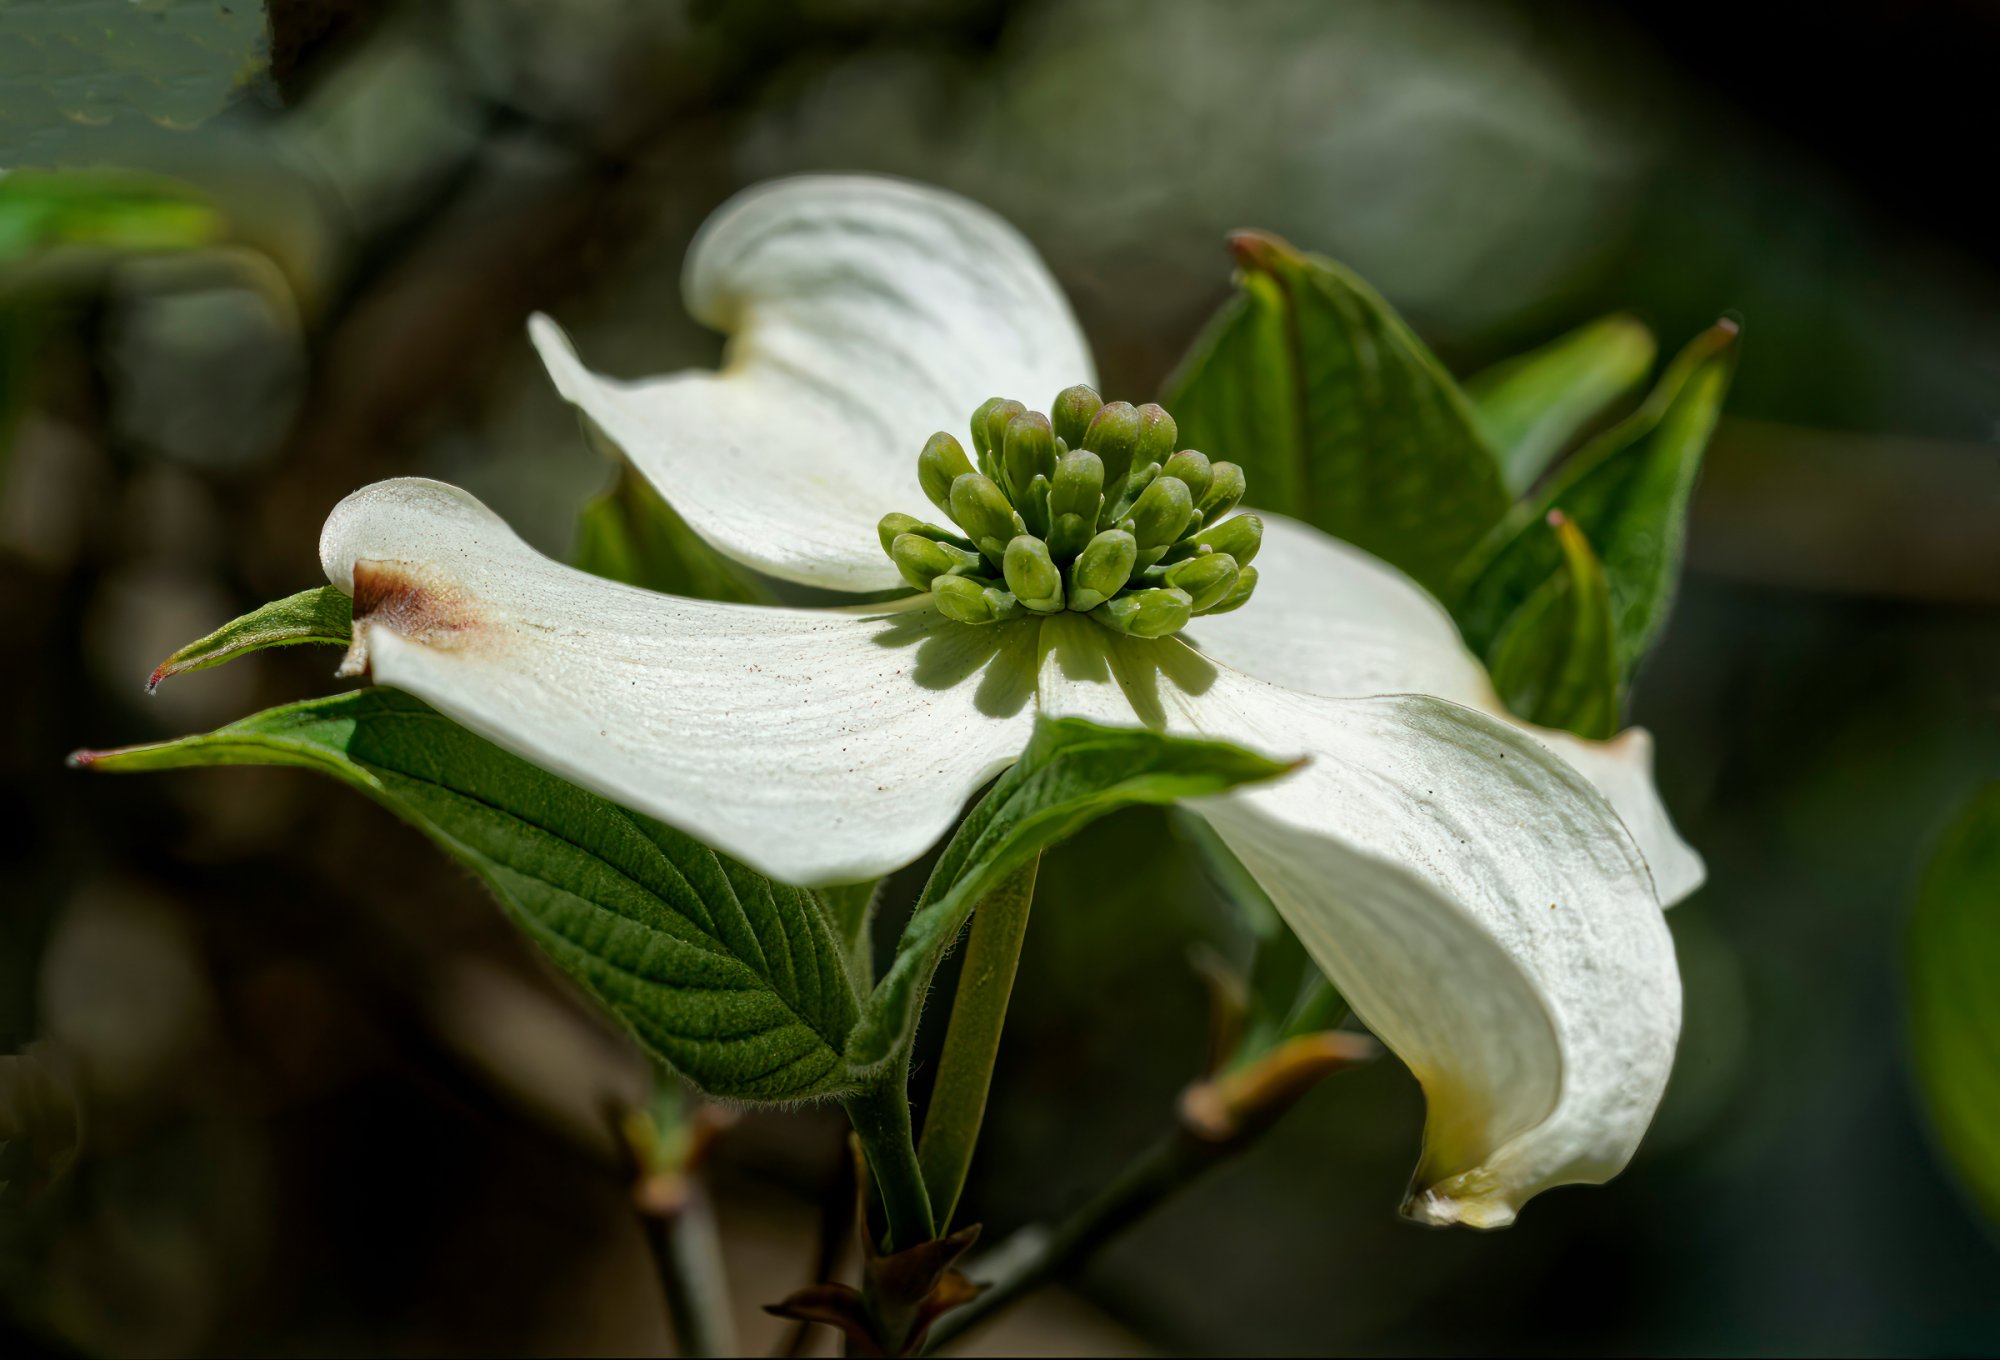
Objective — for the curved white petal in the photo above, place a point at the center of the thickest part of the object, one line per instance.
(1477, 902)
(1333, 620)
(864, 315)
(819, 746)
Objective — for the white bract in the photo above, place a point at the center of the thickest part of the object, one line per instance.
(1486, 894)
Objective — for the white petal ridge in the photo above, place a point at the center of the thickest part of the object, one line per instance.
(1332, 620)
(864, 315)
(1479, 904)
(818, 746)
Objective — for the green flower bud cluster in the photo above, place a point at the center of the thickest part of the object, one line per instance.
(1090, 507)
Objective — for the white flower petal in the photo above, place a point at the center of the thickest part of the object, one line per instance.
(865, 315)
(1332, 620)
(819, 746)
(1479, 904)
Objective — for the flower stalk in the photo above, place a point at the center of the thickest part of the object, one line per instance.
(972, 1041)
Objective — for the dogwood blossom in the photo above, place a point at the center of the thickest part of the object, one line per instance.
(1487, 895)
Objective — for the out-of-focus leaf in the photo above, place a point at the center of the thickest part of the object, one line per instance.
(323, 615)
(1628, 492)
(734, 979)
(1284, 993)
(108, 211)
(1338, 414)
(1072, 773)
(1954, 958)
(1530, 407)
(631, 534)
(67, 65)
(1556, 660)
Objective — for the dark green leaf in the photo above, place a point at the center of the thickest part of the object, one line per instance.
(1532, 406)
(1339, 414)
(1954, 1006)
(630, 534)
(735, 980)
(1072, 773)
(1628, 492)
(1556, 661)
(323, 615)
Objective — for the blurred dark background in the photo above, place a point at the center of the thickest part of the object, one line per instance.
(283, 1081)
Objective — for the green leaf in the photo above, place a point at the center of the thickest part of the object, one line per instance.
(1072, 773)
(1532, 406)
(736, 981)
(323, 615)
(850, 913)
(630, 534)
(1628, 492)
(1954, 956)
(1338, 414)
(1556, 661)
(103, 210)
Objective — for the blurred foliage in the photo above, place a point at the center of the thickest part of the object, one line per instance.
(1954, 1011)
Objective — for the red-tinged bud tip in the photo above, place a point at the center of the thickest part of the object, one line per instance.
(82, 759)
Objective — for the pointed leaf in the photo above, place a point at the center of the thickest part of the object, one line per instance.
(324, 615)
(1532, 406)
(1072, 773)
(734, 979)
(1628, 493)
(1339, 414)
(1556, 661)
(1954, 956)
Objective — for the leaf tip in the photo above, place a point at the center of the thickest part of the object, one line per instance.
(82, 758)
(1256, 249)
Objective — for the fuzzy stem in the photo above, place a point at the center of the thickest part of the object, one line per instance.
(880, 1113)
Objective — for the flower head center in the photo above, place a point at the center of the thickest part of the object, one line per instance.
(1090, 508)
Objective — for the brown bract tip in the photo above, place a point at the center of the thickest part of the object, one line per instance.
(397, 596)
(1259, 249)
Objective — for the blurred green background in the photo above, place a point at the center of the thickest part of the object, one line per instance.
(283, 1081)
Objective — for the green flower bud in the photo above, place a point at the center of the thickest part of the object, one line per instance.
(1161, 512)
(1135, 485)
(1225, 489)
(1239, 594)
(1157, 435)
(1029, 452)
(1071, 411)
(1147, 613)
(1240, 536)
(1112, 434)
(1035, 506)
(999, 412)
(893, 525)
(1068, 535)
(1206, 579)
(1102, 569)
(984, 512)
(967, 600)
(1032, 576)
(1192, 467)
(942, 462)
(1078, 486)
(922, 560)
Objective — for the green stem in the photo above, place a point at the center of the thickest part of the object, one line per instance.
(880, 1113)
(689, 1256)
(1028, 1261)
(972, 1041)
